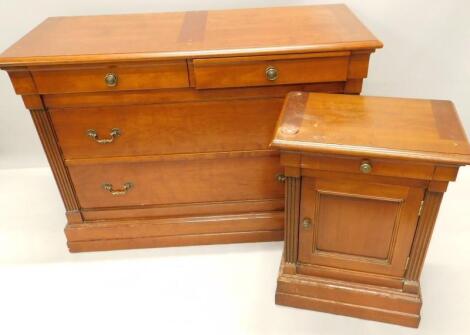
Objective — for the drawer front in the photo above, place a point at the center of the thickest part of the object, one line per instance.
(111, 78)
(177, 182)
(167, 128)
(262, 71)
(365, 166)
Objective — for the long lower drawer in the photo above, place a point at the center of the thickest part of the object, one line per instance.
(195, 127)
(178, 181)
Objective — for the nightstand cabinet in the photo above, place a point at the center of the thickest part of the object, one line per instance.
(364, 178)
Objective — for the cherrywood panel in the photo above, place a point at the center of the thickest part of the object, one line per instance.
(380, 167)
(349, 276)
(129, 77)
(179, 240)
(174, 182)
(192, 209)
(46, 133)
(425, 130)
(369, 234)
(177, 226)
(211, 126)
(181, 95)
(191, 34)
(292, 210)
(359, 226)
(422, 237)
(339, 297)
(251, 71)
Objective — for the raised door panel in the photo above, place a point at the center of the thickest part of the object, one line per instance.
(358, 226)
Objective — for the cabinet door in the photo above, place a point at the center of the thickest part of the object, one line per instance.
(357, 226)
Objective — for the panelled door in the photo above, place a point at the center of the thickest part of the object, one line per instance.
(359, 226)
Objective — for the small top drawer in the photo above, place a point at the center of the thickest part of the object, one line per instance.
(110, 78)
(367, 166)
(270, 70)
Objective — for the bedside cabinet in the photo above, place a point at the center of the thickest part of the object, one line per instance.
(157, 126)
(364, 179)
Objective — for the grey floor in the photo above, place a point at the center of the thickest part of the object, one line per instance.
(227, 289)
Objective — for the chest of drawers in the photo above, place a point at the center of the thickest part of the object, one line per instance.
(361, 202)
(157, 126)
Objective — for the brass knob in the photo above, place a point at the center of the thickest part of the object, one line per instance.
(281, 178)
(111, 79)
(307, 223)
(365, 167)
(271, 73)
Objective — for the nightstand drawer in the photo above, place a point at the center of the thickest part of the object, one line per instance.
(233, 125)
(366, 166)
(177, 181)
(270, 70)
(111, 78)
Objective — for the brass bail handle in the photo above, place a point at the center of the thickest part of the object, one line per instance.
(125, 188)
(115, 132)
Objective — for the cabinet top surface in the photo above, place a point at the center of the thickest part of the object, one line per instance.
(111, 38)
(397, 128)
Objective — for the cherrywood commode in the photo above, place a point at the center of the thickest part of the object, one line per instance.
(157, 126)
(364, 179)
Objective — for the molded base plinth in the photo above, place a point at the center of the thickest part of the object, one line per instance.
(350, 299)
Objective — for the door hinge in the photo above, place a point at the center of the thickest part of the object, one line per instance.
(421, 208)
(407, 263)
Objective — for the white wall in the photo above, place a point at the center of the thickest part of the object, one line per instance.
(426, 53)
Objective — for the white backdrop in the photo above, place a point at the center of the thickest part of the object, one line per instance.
(426, 53)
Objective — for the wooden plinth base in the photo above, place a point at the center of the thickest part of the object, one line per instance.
(169, 232)
(350, 299)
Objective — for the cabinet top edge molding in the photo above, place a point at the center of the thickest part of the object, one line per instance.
(193, 34)
(379, 127)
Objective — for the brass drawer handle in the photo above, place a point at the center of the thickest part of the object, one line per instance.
(271, 73)
(111, 79)
(365, 167)
(125, 188)
(115, 132)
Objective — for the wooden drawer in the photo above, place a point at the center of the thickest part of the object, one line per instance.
(379, 167)
(253, 71)
(128, 77)
(179, 181)
(167, 128)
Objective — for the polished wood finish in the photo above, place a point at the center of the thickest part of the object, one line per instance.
(182, 114)
(179, 181)
(251, 71)
(370, 192)
(117, 38)
(358, 226)
(429, 130)
(168, 128)
(80, 79)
